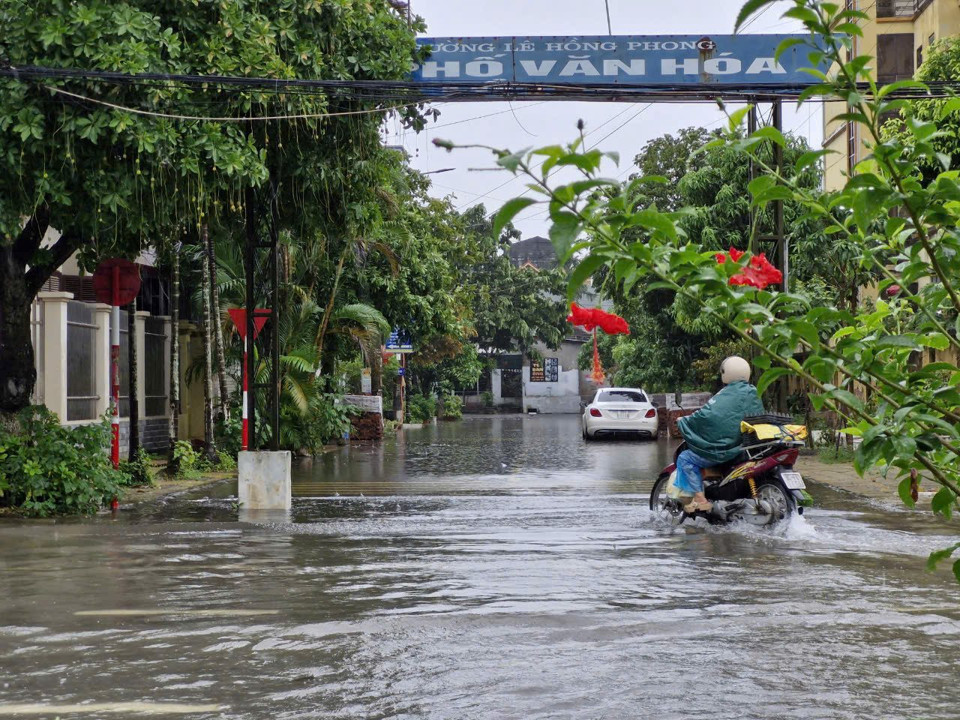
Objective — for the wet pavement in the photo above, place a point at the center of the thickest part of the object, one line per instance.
(494, 568)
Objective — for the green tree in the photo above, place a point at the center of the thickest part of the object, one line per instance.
(108, 178)
(709, 182)
(942, 64)
(859, 364)
(669, 157)
(513, 307)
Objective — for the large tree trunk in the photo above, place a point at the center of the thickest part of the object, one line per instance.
(218, 332)
(174, 428)
(18, 374)
(210, 440)
(134, 385)
(18, 288)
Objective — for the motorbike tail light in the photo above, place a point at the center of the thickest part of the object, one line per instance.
(651, 413)
(595, 413)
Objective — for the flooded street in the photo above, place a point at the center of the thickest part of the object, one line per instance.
(494, 568)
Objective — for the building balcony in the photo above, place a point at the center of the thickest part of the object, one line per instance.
(900, 8)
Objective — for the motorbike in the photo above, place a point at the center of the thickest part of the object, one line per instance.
(759, 487)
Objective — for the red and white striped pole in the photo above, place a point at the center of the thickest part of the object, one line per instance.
(245, 443)
(115, 367)
(239, 317)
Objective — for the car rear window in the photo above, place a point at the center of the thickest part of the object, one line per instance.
(622, 396)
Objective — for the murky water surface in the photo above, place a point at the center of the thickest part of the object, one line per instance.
(496, 568)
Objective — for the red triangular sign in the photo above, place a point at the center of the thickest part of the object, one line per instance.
(239, 317)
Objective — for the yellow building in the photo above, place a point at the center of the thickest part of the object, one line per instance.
(898, 37)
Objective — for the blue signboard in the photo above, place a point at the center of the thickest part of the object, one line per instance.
(398, 342)
(615, 60)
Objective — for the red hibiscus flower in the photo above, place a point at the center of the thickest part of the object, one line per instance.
(758, 273)
(592, 318)
(735, 255)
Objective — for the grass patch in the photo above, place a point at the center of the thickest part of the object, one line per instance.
(836, 456)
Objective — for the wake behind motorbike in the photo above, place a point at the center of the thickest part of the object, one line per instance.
(759, 487)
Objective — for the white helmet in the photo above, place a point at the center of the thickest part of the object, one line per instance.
(734, 369)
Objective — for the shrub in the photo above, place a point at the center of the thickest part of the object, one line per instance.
(47, 469)
(421, 408)
(487, 398)
(226, 462)
(229, 434)
(137, 471)
(188, 460)
(452, 407)
(326, 420)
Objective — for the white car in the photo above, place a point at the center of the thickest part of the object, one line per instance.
(616, 411)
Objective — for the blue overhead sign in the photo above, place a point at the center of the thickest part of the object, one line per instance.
(615, 60)
(398, 342)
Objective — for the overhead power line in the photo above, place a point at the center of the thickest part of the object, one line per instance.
(243, 118)
(411, 92)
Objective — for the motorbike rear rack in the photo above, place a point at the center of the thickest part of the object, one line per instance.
(761, 449)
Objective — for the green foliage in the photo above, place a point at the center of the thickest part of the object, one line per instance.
(113, 181)
(229, 434)
(451, 407)
(225, 461)
(836, 455)
(48, 469)
(137, 471)
(706, 370)
(669, 157)
(188, 460)
(326, 420)
(513, 307)
(487, 398)
(672, 339)
(942, 63)
(116, 160)
(421, 408)
(899, 223)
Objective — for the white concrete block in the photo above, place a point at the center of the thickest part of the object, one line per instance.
(264, 480)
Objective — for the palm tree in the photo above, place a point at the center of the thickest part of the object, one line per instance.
(310, 335)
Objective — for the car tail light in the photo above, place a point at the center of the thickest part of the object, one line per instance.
(595, 413)
(651, 413)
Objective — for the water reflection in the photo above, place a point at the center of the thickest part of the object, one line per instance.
(499, 454)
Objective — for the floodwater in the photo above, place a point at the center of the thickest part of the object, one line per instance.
(494, 568)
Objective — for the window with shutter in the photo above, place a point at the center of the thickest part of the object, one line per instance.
(894, 57)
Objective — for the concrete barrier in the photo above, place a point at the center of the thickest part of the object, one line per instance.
(264, 480)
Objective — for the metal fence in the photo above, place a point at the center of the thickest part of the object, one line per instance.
(82, 362)
(155, 367)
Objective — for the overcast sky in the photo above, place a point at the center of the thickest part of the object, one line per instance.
(610, 126)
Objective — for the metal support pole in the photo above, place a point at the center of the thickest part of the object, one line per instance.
(778, 227)
(115, 373)
(249, 402)
(115, 368)
(776, 113)
(403, 388)
(275, 317)
(751, 174)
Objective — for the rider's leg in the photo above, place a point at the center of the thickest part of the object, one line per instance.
(690, 480)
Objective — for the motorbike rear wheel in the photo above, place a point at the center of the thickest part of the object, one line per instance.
(666, 508)
(778, 499)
